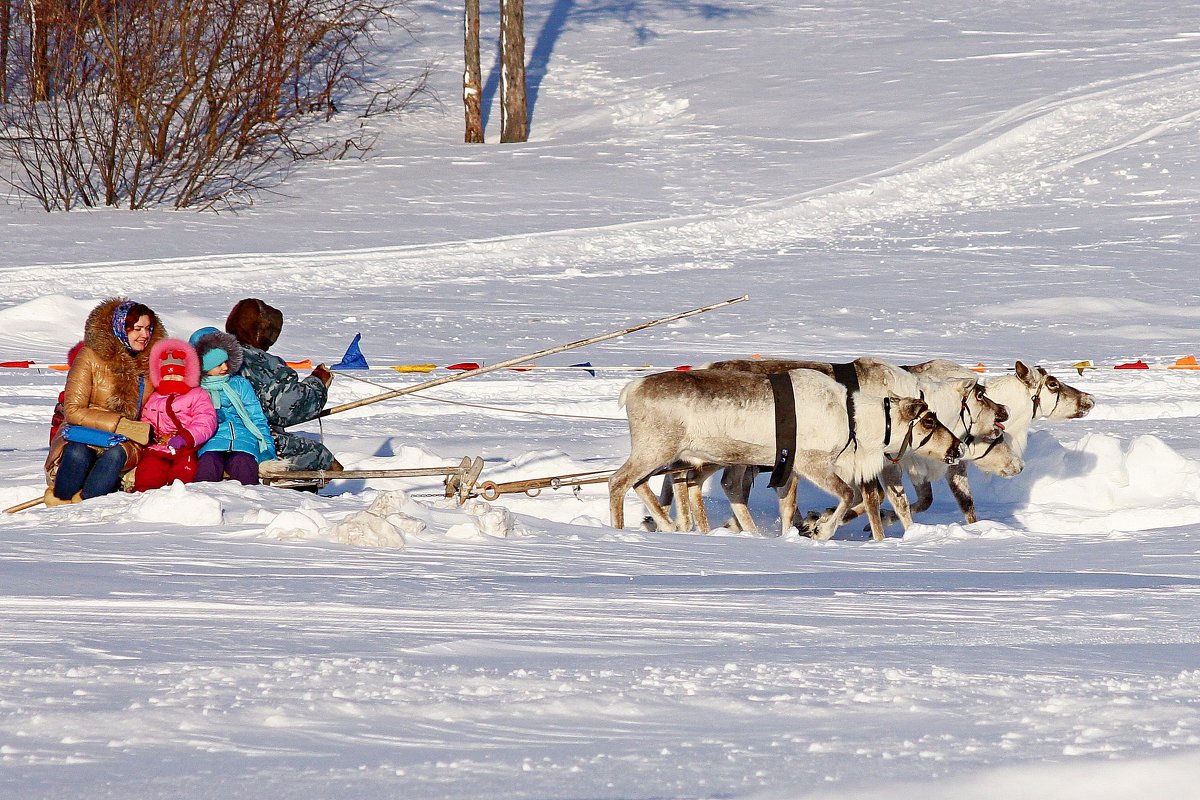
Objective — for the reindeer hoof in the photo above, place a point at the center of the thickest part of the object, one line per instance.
(648, 524)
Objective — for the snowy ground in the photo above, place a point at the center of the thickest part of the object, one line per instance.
(979, 184)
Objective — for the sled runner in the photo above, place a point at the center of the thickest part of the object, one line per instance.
(459, 479)
(490, 490)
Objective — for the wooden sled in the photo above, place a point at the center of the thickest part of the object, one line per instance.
(459, 479)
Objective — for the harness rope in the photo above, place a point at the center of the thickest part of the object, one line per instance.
(487, 407)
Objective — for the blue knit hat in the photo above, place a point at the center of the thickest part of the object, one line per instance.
(195, 337)
(213, 358)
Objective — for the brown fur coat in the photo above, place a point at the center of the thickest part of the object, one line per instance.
(103, 383)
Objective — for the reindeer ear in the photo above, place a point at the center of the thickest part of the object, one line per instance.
(965, 386)
(911, 408)
(1023, 372)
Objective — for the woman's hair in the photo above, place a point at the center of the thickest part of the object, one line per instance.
(136, 312)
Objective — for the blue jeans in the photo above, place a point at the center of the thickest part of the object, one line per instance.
(84, 470)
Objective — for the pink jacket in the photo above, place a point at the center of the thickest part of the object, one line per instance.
(175, 368)
(194, 410)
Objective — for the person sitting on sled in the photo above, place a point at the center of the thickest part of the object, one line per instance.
(101, 440)
(286, 398)
(243, 438)
(180, 413)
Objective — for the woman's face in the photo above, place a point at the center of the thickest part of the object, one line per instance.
(139, 334)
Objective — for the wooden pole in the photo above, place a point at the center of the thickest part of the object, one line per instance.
(37, 501)
(525, 358)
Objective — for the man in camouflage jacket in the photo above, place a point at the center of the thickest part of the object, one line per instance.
(286, 398)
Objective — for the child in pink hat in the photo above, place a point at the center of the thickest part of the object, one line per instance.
(179, 412)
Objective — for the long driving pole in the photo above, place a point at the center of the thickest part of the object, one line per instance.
(512, 362)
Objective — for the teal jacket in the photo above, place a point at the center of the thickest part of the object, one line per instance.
(233, 435)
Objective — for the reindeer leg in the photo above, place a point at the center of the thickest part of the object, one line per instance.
(656, 511)
(872, 492)
(618, 486)
(736, 482)
(956, 477)
(924, 492)
(680, 488)
(666, 499)
(635, 471)
(695, 496)
(858, 508)
(893, 487)
(844, 492)
(787, 504)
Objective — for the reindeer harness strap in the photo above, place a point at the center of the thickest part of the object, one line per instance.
(847, 375)
(785, 429)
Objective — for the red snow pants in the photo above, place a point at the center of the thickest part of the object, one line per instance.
(157, 468)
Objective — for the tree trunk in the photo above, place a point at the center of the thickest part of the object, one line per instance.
(5, 33)
(514, 116)
(472, 82)
(39, 60)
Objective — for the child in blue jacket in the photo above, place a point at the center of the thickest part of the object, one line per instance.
(243, 438)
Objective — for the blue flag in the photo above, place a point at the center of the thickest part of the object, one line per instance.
(354, 358)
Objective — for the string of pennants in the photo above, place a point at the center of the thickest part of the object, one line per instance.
(355, 360)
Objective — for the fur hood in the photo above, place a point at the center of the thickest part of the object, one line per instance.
(175, 360)
(227, 342)
(100, 339)
(255, 323)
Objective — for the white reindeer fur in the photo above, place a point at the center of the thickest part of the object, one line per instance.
(705, 418)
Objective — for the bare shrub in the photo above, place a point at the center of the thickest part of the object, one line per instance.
(192, 103)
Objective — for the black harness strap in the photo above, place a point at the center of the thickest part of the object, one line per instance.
(847, 375)
(785, 429)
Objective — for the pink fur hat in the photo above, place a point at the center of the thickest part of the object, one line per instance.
(174, 366)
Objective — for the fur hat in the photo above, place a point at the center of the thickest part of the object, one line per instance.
(208, 343)
(255, 323)
(174, 367)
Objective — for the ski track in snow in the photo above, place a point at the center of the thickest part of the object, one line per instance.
(1022, 152)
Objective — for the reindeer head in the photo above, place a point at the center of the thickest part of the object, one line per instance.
(996, 457)
(981, 417)
(1052, 398)
(924, 432)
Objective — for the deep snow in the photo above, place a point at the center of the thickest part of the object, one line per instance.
(982, 184)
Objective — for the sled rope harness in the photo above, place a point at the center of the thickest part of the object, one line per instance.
(908, 435)
(486, 407)
(1037, 397)
(847, 375)
(785, 428)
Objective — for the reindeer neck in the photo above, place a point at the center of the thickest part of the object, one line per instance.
(1012, 392)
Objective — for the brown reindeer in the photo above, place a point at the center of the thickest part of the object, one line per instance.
(713, 418)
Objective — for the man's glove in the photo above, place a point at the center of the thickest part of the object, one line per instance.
(133, 430)
(322, 373)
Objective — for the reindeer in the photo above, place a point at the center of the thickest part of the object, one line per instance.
(1030, 393)
(711, 418)
(958, 401)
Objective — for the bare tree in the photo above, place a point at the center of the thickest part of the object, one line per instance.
(514, 115)
(472, 79)
(186, 102)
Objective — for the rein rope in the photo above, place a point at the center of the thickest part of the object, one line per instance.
(486, 407)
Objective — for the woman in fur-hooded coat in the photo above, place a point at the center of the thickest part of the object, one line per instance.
(107, 382)
(286, 398)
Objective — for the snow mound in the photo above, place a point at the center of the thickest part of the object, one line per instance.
(1140, 484)
(177, 505)
(302, 523)
(364, 529)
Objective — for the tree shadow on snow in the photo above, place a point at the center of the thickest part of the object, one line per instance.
(639, 16)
